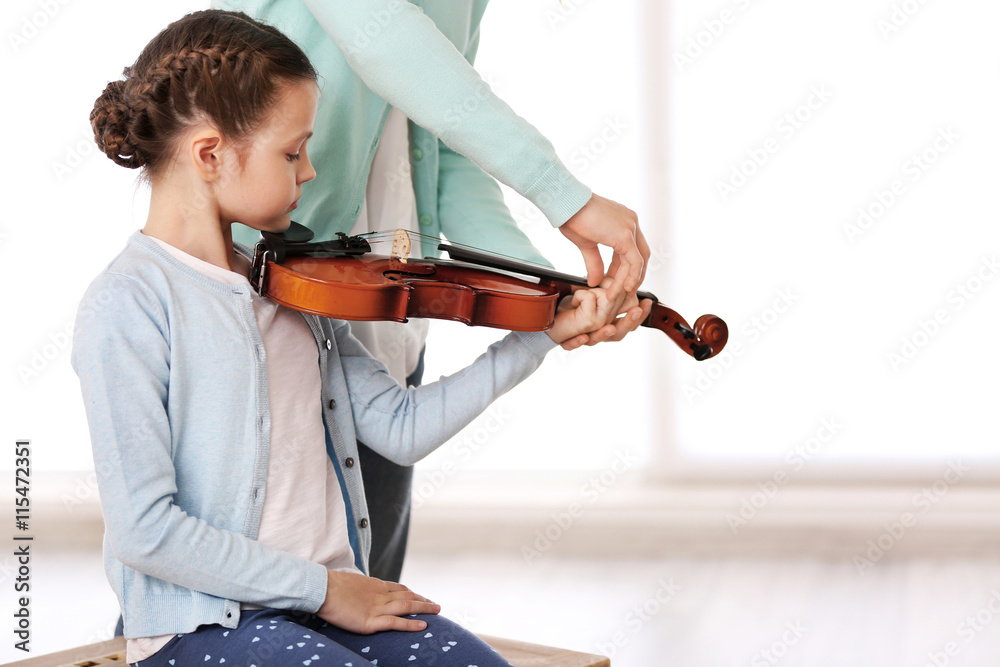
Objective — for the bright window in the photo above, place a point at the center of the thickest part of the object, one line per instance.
(832, 179)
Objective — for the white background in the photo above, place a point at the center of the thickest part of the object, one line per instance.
(581, 74)
(570, 71)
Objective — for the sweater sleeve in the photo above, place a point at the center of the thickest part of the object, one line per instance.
(121, 353)
(401, 56)
(405, 425)
(471, 206)
(472, 210)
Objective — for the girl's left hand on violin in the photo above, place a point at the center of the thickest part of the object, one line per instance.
(627, 315)
(588, 316)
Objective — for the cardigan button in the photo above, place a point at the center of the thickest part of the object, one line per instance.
(332, 404)
(363, 523)
(418, 154)
(329, 344)
(426, 219)
(349, 462)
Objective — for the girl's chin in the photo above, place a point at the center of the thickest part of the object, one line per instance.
(276, 226)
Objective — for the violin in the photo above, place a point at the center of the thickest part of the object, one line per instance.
(344, 279)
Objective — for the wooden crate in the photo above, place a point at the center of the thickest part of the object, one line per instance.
(519, 654)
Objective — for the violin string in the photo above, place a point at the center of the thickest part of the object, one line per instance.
(382, 237)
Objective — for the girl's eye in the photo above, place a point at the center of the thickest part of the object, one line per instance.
(293, 158)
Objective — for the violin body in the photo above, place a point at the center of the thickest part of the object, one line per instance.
(376, 287)
(344, 279)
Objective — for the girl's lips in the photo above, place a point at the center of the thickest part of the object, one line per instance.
(295, 205)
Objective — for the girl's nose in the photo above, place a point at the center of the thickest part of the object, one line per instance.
(306, 172)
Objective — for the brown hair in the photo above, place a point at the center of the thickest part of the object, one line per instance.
(214, 65)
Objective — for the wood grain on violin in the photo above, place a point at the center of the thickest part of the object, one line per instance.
(345, 279)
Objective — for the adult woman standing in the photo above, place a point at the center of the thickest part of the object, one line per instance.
(417, 140)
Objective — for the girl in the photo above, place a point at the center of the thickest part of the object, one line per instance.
(224, 426)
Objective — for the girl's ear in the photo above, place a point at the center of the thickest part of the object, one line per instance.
(206, 153)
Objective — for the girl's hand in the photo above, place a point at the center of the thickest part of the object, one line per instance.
(632, 314)
(588, 316)
(365, 605)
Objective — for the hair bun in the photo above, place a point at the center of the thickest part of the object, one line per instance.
(111, 119)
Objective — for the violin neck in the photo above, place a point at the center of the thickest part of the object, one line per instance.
(464, 254)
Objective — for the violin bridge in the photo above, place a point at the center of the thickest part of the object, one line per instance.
(400, 246)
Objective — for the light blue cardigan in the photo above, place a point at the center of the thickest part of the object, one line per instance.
(174, 380)
(417, 55)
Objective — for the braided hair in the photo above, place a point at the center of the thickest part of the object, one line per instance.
(216, 66)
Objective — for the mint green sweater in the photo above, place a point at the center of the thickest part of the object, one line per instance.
(417, 57)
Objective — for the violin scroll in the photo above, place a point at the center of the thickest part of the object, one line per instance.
(704, 341)
(713, 331)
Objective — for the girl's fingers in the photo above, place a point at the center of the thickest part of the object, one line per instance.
(583, 299)
(405, 595)
(626, 324)
(396, 623)
(394, 586)
(407, 607)
(575, 342)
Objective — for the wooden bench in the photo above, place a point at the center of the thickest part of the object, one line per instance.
(519, 654)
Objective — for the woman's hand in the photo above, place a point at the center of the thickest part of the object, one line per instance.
(605, 222)
(365, 605)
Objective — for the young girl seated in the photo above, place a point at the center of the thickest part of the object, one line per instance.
(224, 427)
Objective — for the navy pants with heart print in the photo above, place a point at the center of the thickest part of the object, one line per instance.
(275, 638)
